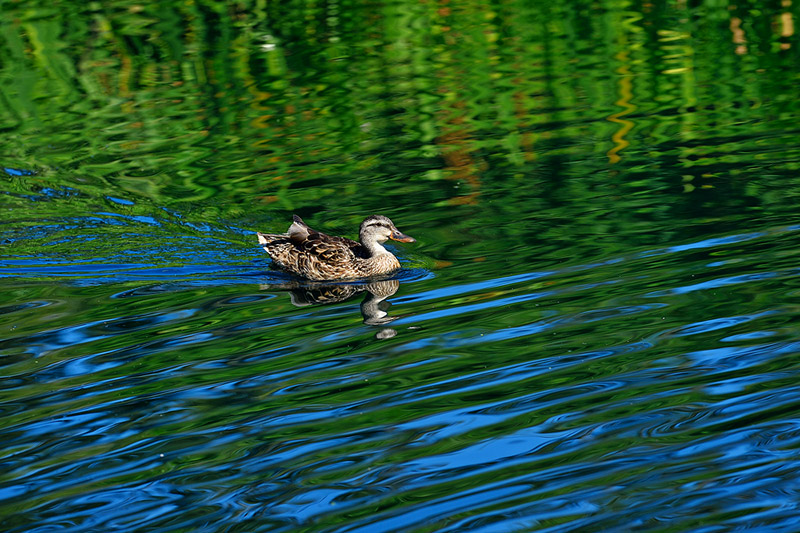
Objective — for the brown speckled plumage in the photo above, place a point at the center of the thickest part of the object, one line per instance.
(318, 256)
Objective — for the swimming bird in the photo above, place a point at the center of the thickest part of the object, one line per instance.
(317, 256)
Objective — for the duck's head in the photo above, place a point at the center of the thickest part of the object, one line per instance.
(378, 228)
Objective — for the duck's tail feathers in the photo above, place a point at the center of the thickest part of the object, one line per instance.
(266, 238)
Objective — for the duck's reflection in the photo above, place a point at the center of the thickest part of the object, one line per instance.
(374, 306)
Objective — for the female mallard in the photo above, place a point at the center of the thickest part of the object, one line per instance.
(318, 256)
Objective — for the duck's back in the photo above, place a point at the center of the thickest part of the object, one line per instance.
(314, 255)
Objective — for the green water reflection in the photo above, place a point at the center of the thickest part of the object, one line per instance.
(484, 112)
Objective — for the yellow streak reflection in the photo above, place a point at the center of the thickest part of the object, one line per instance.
(626, 95)
(787, 24)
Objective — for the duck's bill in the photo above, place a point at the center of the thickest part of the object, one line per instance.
(401, 237)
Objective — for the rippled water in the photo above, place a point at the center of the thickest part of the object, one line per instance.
(597, 329)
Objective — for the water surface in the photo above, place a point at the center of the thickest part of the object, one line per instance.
(596, 329)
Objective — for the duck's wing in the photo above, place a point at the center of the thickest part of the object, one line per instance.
(301, 233)
(328, 248)
(313, 254)
(317, 257)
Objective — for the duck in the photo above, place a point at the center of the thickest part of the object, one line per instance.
(316, 256)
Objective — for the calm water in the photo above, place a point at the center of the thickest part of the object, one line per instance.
(596, 330)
